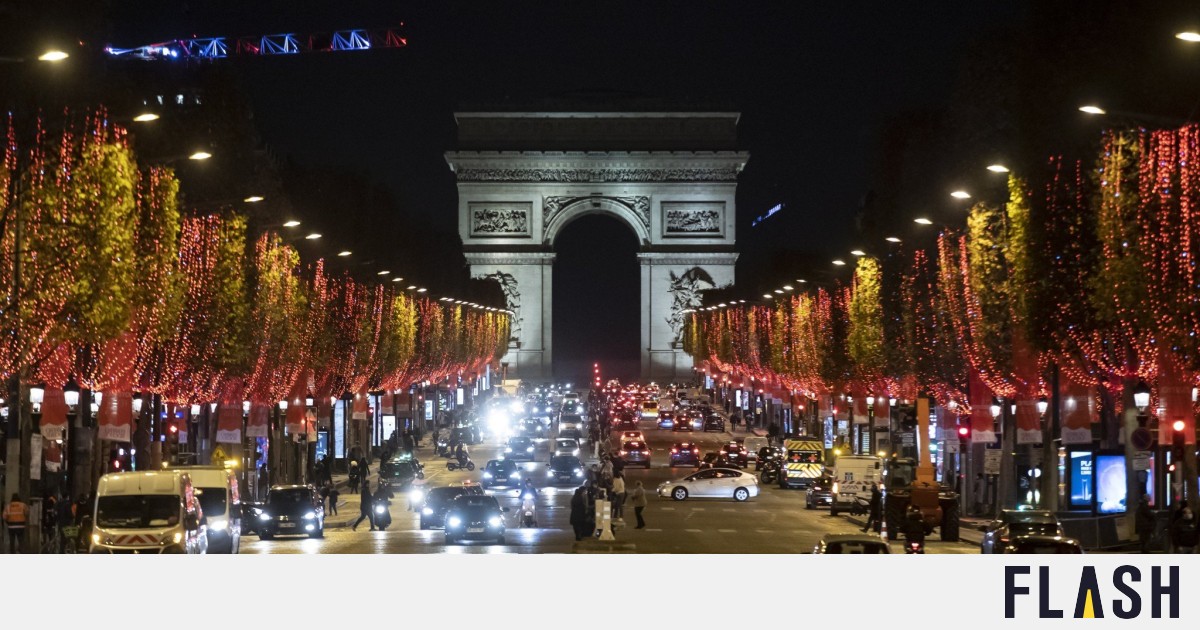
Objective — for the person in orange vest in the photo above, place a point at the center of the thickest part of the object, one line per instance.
(16, 515)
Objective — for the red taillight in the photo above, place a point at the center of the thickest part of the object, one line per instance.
(674, 450)
(696, 451)
(623, 453)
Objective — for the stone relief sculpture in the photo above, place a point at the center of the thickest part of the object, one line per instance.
(511, 295)
(638, 205)
(499, 220)
(698, 221)
(685, 293)
(722, 174)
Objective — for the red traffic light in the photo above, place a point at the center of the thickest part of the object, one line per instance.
(1171, 468)
(174, 429)
(964, 431)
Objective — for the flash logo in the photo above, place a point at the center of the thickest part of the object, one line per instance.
(1089, 601)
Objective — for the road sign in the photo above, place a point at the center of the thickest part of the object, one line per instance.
(218, 455)
(1141, 460)
(1141, 439)
(991, 461)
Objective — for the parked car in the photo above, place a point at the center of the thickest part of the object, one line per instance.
(1043, 544)
(1013, 523)
(852, 544)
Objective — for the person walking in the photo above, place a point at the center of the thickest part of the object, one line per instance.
(334, 495)
(1183, 532)
(579, 513)
(1144, 523)
(637, 498)
(409, 442)
(875, 518)
(16, 515)
(364, 506)
(618, 496)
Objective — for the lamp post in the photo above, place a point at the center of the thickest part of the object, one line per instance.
(871, 442)
(1000, 484)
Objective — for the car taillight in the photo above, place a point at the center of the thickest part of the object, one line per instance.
(623, 452)
(674, 450)
(695, 451)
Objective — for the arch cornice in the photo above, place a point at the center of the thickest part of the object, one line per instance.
(558, 212)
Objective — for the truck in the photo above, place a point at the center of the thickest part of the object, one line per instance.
(853, 478)
(148, 512)
(909, 481)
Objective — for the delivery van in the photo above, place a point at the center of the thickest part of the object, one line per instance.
(147, 512)
(853, 477)
(216, 487)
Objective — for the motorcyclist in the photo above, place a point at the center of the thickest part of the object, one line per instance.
(382, 499)
(529, 501)
(528, 490)
(914, 526)
(461, 454)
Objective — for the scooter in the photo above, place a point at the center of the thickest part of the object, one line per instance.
(914, 545)
(460, 464)
(529, 512)
(770, 471)
(383, 516)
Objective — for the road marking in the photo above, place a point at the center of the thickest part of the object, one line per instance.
(726, 509)
(668, 509)
(692, 531)
(727, 531)
(762, 531)
(698, 509)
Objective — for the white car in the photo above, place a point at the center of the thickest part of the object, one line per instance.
(712, 482)
(566, 447)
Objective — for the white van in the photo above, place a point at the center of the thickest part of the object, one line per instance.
(147, 512)
(853, 477)
(217, 489)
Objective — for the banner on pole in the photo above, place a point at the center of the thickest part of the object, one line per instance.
(1029, 425)
(1078, 408)
(983, 427)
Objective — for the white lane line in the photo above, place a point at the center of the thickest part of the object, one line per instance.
(696, 509)
(726, 509)
(653, 529)
(668, 509)
(762, 531)
(692, 531)
(727, 531)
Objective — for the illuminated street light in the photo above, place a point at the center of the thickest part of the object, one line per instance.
(768, 296)
(788, 287)
(292, 223)
(858, 252)
(1188, 36)
(892, 239)
(779, 291)
(397, 279)
(383, 273)
(147, 117)
(421, 290)
(1093, 110)
(801, 280)
(922, 221)
(998, 168)
(53, 55)
(344, 253)
(253, 199)
(839, 262)
(960, 194)
(200, 155)
(312, 237)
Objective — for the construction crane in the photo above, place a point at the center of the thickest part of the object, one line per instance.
(211, 48)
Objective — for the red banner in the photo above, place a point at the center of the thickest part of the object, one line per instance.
(259, 421)
(115, 419)
(983, 425)
(1078, 413)
(362, 407)
(229, 412)
(54, 414)
(1029, 423)
(297, 406)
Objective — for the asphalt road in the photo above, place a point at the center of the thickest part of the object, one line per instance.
(774, 522)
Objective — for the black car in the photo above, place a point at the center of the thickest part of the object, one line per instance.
(736, 453)
(502, 473)
(766, 454)
(399, 473)
(685, 454)
(438, 501)
(292, 510)
(717, 460)
(250, 512)
(521, 448)
(683, 422)
(475, 517)
(533, 428)
(1013, 523)
(565, 469)
(635, 452)
(820, 493)
(713, 422)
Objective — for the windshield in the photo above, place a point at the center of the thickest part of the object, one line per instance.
(566, 443)
(519, 442)
(1029, 546)
(476, 500)
(804, 456)
(287, 497)
(137, 511)
(856, 547)
(497, 466)
(441, 495)
(212, 501)
(1024, 529)
(396, 468)
(561, 462)
(572, 419)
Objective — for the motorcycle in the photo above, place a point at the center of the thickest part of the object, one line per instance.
(528, 512)
(770, 471)
(461, 464)
(383, 516)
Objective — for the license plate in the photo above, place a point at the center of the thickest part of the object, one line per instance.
(287, 525)
(474, 530)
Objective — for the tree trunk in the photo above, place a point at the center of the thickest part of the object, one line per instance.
(1133, 489)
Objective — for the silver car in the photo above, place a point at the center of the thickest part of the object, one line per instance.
(712, 483)
(568, 447)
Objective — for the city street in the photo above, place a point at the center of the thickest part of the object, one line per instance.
(774, 522)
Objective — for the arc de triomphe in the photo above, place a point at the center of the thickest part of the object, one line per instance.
(670, 176)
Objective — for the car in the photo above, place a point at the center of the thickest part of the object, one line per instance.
(753, 445)
(565, 469)
(766, 454)
(533, 428)
(1013, 523)
(683, 422)
(501, 473)
(635, 452)
(735, 453)
(713, 422)
(250, 512)
(852, 543)
(685, 454)
(521, 448)
(627, 422)
(566, 446)
(475, 517)
(712, 483)
(636, 436)
(437, 503)
(820, 493)
(649, 410)
(666, 419)
(399, 473)
(1043, 544)
(714, 459)
(292, 510)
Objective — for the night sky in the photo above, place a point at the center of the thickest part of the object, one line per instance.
(815, 83)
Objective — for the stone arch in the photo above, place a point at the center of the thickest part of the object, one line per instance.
(558, 214)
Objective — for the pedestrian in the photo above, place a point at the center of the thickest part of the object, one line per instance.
(637, 498)
(579, 513)
(978, 492)
(606, 472)
(773, 433)
(16, 515)
(364, 506)
(733, 422)
(409, 442)
(875, 518)
(333, 497)
(1144, 523)
(618, 496)
(66, 518)
(1183, 532)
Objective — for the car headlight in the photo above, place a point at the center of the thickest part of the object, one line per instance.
(96, 539)
(549, 473)
(218, 524)
(515, 475)
(454, 521)
(529, 449)
(495, 521)
(416, 496)
(310, 516)
(507, 449)
(263, 516)
(427, 511)
(178, 537)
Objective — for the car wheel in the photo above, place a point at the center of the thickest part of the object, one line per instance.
(320, 533)
(679, 493)
(741, 494)
(265, 536)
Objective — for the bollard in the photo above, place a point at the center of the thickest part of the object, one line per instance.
(604, 519)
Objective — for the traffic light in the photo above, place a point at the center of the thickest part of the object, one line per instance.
(964, 432)
(1177, 444)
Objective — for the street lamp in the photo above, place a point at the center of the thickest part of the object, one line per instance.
(53, 56)
(922, 221)
(200, 155)
(283, 405)
(1042, 405)
(292, 223)
(1141, 396)
(996, 409)
(998, 168)
(1188, 36)
(1093, 110)
(960, 194)
(146, 117)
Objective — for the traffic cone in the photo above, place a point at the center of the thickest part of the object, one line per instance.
(883, 530)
